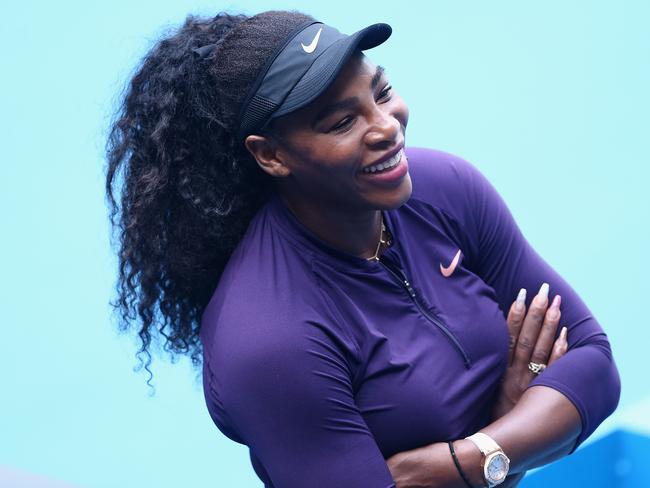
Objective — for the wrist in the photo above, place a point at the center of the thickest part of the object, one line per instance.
(470, 457)
(494, 464)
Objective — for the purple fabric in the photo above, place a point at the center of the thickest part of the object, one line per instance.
(324, 364)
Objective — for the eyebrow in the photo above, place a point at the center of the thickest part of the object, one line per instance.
(376, 77)
(347, 102)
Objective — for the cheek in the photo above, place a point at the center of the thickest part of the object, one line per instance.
(335, 154)
(324, 159)
(400, 109)
(342, 153)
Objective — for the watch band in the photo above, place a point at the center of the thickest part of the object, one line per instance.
(484, 442)
(493, 459)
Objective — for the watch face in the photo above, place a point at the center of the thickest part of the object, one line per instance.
(497, 467)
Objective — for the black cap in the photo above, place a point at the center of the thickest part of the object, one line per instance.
(301, 69)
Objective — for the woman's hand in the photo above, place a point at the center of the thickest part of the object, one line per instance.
(531, 340)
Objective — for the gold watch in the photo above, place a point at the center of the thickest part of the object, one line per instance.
(495, 463)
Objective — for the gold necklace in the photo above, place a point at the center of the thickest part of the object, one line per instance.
(382, 240)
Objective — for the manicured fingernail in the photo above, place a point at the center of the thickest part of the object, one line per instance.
(520, 303)
(543, 291)
(556, 302)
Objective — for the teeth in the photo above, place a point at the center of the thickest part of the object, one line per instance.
(386, 164)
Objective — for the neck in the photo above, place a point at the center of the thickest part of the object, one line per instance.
(356, 233)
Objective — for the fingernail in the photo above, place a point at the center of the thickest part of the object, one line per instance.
(556, 302)
(520, 303)
(543, 291)
(563, 333)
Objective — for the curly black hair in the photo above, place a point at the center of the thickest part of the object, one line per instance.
(186, 187)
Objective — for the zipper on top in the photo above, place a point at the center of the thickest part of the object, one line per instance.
(400, 276)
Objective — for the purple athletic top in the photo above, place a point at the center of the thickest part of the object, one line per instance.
(325, 364)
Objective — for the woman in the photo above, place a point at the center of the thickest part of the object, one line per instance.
(351, 299)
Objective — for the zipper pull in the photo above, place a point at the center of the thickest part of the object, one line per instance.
(409, 288)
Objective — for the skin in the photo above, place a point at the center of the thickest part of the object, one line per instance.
(317, 168)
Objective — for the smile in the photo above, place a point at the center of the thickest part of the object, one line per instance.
(386, 164)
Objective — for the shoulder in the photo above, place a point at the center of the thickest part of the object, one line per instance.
(269, 343)
(267, 302)
(259, 298)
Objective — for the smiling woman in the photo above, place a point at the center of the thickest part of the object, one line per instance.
(351, 299)
(340, 158)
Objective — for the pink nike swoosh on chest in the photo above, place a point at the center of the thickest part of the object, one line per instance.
(447, 271)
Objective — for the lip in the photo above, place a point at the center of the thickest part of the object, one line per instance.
(390, 177)
(385, 157)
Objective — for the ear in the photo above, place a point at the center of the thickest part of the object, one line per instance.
(266, 152)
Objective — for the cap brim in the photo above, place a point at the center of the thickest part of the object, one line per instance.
(327, 66)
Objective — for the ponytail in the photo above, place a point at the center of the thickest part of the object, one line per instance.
(180, 187)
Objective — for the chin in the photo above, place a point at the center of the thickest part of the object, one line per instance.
(400, 195)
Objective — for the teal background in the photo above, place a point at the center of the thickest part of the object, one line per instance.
(549, 99)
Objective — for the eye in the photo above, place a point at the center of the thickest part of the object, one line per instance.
(386, 93)
(343, 124)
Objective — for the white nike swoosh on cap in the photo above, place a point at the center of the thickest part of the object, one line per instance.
(312, 46)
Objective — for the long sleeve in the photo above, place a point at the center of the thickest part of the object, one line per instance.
(288, 396)
(587, 374)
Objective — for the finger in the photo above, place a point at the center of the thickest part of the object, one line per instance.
(560, 347)
(544, 343)
(515, 321)
(530, 328)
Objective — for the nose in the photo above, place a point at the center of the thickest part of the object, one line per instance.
(384, 128)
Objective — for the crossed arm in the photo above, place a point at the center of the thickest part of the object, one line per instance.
(534, 426)
(303, 438)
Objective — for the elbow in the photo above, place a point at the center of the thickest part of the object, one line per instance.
(613, 390)
(610, 378)
(590, 378)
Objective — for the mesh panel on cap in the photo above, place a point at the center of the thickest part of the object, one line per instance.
(258, 111)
